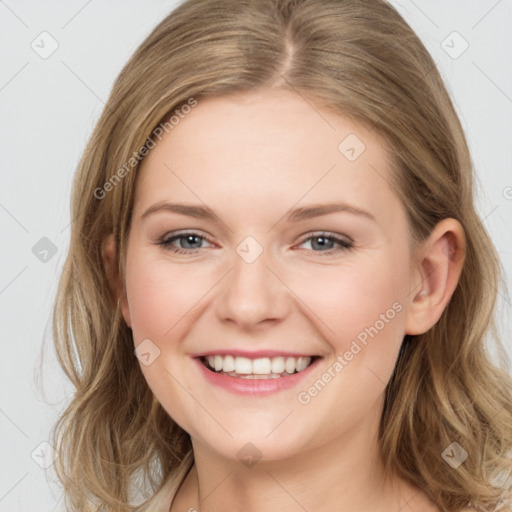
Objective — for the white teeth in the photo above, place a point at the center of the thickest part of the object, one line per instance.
(228, 364)
(261, 366)
(242, 365)
(218, 363)
(277, 364)
(302, 363)
(265, 367)
(290, 364)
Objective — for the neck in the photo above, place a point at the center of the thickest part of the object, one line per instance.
(343, 475)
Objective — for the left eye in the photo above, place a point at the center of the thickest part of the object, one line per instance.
(325, 241)
(192, 242)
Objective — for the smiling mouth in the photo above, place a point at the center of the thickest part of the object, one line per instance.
(260, 368)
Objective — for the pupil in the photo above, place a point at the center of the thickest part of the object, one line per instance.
(324, 240)
(190, 239)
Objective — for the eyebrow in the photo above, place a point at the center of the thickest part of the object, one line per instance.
(309, 212)
(298, 214)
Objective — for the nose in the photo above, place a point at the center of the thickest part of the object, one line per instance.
(252, 295)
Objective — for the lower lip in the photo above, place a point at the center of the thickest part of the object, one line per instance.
(257, 387)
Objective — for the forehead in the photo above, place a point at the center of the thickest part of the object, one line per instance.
(267, 151)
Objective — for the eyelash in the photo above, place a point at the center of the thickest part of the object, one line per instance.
(346, 245)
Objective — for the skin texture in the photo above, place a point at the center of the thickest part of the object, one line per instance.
(251, 158)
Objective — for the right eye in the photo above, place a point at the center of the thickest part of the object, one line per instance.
(185, 239)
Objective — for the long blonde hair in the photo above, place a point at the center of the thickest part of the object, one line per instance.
(358, 58)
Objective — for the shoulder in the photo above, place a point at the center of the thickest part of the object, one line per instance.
(161, 501)
(503, 504)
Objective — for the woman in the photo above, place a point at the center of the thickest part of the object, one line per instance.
(277, 285)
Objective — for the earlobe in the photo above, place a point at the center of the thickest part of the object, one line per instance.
(435, 275)
(109, 256)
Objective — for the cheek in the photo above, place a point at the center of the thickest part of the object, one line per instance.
(362, 301)
(160, 295)
(364, 306)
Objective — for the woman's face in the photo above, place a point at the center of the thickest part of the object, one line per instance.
(262, 268)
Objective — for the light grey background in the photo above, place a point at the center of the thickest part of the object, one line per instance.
(48, 109)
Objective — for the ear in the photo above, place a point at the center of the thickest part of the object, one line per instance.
(109, 256)
(435, 274)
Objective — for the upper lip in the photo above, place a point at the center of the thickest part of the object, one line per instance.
(254, 354)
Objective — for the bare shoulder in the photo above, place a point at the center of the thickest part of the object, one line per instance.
(417, 500)
(465, 510)
(461, 510)
(506, 508)
(421, 503)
